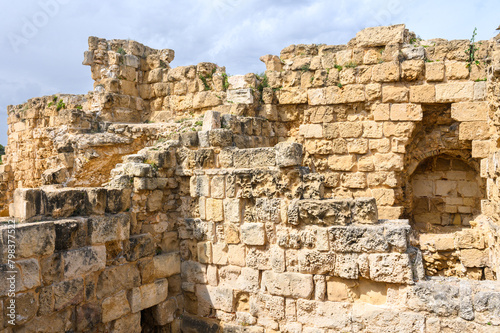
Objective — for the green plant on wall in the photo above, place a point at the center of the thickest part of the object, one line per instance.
(471, 51)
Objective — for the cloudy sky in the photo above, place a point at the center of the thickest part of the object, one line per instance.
(42, 42)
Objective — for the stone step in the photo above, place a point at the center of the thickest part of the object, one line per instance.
(35, 204)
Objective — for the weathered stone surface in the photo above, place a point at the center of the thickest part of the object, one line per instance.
(109, 228)
(288, 284)
(332, 315)
(148, 295)
(288, 154)
(83, 261)
(378, 36)
(253, 233)
(115, 306)
(392, 268)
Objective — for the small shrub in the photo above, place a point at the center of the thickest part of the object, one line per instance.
(121, 51)
(60, 105)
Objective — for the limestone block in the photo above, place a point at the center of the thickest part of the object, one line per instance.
(27, 204)
(481, 149)
(164, 312)
(220, 253)
(193, 272)
(372, 129)
(115, 307)
(332, 315)
(373, 91)
(354, 180)
(311, 130)
(358, 239)
(236, 255)
(200, 186)
(167, 264)
(205, 252)
(388, 162)
(148, 295)
(412, 70)
(357, 146)
(423, 94)
(379, 36)
(288, 154)
(315, 262)
(292, 95)
(470, 111)
(82, 261)
(28, 278)
(406, 112)
(240, 96)
(456, 70)
(342, 163)
(116, 278)
(474, 258)
(288, 284)
(479, 90)
(391, 268)
(109, 228)
(364, 210)
(273, 63)
(474, 130)
(214, 210)
(254, 157)
(140, 246)
(381, 112)
(33, 239)
(253, 233)
(326, 212)
(434, 71)
(248, 280)
(386, 72)
(398, 129)
(394, 94)
(454, 92)
(233, 210)
(469, 239)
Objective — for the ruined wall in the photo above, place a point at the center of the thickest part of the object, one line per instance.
(352, 188)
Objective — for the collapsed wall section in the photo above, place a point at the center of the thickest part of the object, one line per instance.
(281, 210)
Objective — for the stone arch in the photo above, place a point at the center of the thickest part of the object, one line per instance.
(442, 168)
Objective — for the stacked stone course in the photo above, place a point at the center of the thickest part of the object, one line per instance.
(354, 188)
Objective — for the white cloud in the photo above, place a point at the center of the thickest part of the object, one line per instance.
(231, 33)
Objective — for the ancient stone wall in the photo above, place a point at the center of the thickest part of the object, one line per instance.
(352, 188)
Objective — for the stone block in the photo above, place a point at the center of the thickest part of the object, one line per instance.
(456, 70)
(315, 262)
(320, 212)
(423, 94)
(342, 162)
(27, 204)
(253, 233)
(148, 295)
(292, 95)
(386, 72)
(372, 129)
(117, 278)
(311, 130)
(67, 293)
(164, 312)
(109, 228)
(140, 246)
(115, 306)
(28, 276)
(193, 272)
(220, 137)
(200, 186)
(381, 112)
(167, 264)
(205, 252)
(288, 284)
(33, 239)
(82, 261)
(412, 70)
(394, 94)
(236, 255)
(288, 154)
(388, 162)
(454, 92)
(470, 111)
(240, 96)
(214, 210)
(354, 180)
(474, 130)
(380, 36)
(332, 315)
(254, 157)
(364, 210)
(358, 239)
(434, 71)
(474, 258)
(390, 268)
